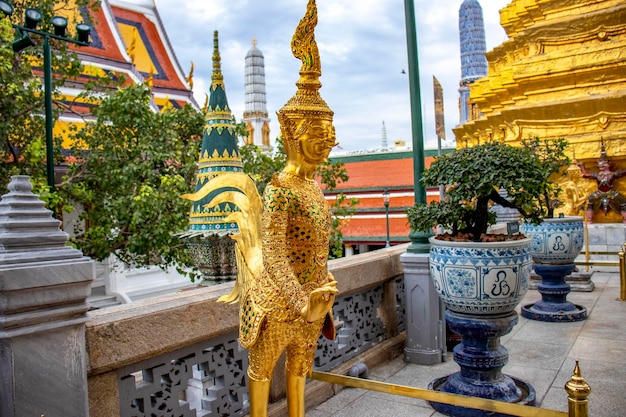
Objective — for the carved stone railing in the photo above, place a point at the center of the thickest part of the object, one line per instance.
(178, 355)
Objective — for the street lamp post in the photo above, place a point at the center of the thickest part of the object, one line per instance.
(32, 17)
(386, 201)
(419, 240)
(425, 329)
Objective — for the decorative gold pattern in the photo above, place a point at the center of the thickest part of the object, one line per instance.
(560, 74)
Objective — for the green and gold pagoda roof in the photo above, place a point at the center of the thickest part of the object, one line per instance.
(219, 154)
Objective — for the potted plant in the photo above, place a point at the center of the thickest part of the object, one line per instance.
(469, 265)
(556, 240)
(481, 277)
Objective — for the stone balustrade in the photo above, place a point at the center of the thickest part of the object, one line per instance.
(179, 352)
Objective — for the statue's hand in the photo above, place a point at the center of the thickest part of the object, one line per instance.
(320, 302)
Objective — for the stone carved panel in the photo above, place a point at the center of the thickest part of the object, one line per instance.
(209, 379)
(360, 328)
(401, 303)
(206, 379)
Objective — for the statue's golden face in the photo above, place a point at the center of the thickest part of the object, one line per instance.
(317, 141)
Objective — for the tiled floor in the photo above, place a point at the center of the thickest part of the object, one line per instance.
(540, 353)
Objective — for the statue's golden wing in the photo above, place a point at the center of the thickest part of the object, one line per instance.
(248, 218)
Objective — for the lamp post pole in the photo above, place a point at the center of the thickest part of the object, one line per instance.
(425, 330)
(419, 241)
(386, 201)
(47, 76)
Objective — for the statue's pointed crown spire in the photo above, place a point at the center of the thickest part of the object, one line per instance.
(307, 101)
(603, 156)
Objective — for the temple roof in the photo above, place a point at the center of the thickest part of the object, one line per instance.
(128, 38)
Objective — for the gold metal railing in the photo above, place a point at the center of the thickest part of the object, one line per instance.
(621, 263)
(577, 389)
(622, 273)
(588, 253)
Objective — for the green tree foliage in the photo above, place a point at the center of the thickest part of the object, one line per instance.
(262, 164)
(553, 160)
(135, 164)
(22, 121)
(473, 177)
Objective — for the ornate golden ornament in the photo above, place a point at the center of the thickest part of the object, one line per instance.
(603, 122)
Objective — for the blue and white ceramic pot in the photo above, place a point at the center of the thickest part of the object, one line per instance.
(481, 278)
(557, 240)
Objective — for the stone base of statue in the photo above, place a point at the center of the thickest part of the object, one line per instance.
(481, 358)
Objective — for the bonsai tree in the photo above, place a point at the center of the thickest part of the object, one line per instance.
(551, 156)
(473, 178)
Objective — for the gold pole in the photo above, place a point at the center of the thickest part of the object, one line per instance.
(586, 231)
(441, 397)
(622, 274)
(578, 390)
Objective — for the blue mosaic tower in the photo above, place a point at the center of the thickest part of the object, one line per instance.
(473, 49)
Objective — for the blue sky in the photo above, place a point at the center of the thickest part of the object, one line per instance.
(363, 51)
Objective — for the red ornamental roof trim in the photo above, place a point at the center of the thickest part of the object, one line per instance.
(106, 40)
(146, 19)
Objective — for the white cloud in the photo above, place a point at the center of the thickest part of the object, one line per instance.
(363, 51)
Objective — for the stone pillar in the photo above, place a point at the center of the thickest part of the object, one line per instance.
(44, 285)
(425, 328)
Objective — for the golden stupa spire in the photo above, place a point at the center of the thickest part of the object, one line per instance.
(217, 77)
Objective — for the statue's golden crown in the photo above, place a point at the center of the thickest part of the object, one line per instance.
(307, 102)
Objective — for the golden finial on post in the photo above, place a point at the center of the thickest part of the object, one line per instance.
(622, 273)
(578, 390)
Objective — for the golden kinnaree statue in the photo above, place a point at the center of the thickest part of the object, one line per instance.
(283, 286)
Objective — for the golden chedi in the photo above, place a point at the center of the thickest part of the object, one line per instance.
(560, 74)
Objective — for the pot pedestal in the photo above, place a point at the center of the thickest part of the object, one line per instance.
(554, 306)
(481, 358)
(578, 281)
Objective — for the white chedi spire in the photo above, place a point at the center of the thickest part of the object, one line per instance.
(255, 115)
(384, 144)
